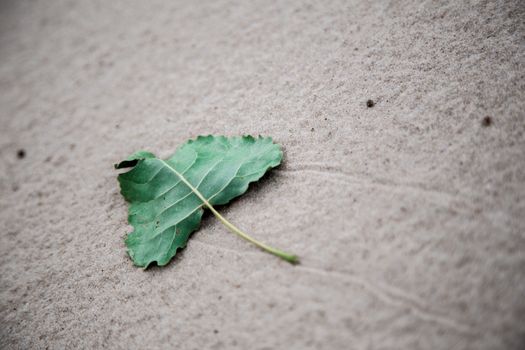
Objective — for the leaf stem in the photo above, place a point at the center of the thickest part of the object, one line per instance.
(283, 255)
(291, 258)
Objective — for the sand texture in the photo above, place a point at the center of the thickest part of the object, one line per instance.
(409, 216)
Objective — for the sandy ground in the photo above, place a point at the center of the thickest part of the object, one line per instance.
(408, 216)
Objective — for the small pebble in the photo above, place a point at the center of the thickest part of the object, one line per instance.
(487, 121)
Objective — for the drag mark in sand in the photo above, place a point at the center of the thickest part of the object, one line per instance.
(343, 177)
(395, 297)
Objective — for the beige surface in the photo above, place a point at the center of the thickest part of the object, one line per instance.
(408, 216)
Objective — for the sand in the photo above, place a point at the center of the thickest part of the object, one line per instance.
(408, 215)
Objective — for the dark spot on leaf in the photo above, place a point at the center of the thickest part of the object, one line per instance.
(21, 154)
(370, 103)
(487, 121)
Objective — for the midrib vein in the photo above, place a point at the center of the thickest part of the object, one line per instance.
(183, 179)
(194, 190)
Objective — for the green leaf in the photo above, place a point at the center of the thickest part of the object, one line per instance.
(167, 197)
